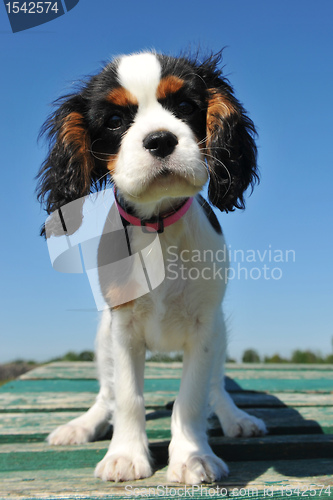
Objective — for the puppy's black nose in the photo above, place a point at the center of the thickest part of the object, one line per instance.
(161, 143)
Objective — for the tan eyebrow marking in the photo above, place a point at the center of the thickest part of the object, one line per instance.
(168, 85)
(121, 97)
(111, 163)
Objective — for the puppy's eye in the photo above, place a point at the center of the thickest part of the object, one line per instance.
(186, 108)
(114, 122)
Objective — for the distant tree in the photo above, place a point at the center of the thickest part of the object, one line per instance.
(86, 356)
(329, 359)
(251, 356)
(74, 356)
(276, 358)
(299, 356)
(70, 356)
(164, 357)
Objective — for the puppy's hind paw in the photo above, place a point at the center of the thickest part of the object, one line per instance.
(245, 426)
(69, 434)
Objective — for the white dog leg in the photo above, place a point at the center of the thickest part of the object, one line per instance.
(96, 421)
(234, 422)
(192, 461)
(128, 456)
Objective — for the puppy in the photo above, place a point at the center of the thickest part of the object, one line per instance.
(158, 128)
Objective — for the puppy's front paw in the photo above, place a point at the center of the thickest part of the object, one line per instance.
(197, 469)
(244, 425)
(69, 434)
(117, 467)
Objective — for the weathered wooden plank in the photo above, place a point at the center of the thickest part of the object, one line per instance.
(65, 385)
(31, 425)
(64, 401)
(290, 399)
(254, 478)
(59, 370)
(323, 385)
(305, 374)
(277, 399)
(81, 401)
(273, 448)
(279, 366)
(87, 370)
(281, 421)
(249, 399)
(87, 385)
(45, 401)
(21, 386)
(231, 449)
(36, 426)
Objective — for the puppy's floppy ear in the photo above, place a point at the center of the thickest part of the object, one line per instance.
(230, 146)
(66, 173)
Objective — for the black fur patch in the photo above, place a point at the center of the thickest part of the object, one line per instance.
(210, 214)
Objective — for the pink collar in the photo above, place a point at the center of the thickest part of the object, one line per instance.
(155, 223)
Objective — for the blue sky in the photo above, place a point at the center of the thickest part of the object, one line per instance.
(278, 57)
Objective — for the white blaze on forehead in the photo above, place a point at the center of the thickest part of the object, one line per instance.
(140, 74)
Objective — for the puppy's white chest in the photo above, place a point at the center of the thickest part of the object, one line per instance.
(177, 310)
(167, 326)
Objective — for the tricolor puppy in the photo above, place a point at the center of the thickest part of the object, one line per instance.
(158, 128)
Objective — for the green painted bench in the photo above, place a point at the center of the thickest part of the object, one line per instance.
(294, 461)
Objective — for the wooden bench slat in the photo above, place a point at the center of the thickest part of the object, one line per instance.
(230, 449)
(45, 401)
(249, 475)
(87, 370)
(279, 366)
(286, 374)
(322, 385)
(64, 401)
(36, 426)
(81, 401)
